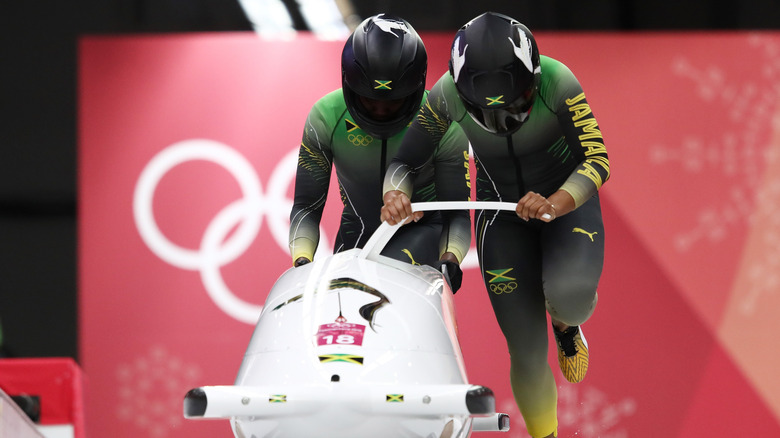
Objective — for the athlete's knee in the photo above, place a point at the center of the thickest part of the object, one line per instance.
(571, 303)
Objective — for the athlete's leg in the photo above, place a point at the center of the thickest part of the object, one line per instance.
(573, 257)
(415, 243)
(573, 248)
(509, 250)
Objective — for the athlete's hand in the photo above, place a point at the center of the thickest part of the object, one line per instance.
(535, 206)
(397, 207)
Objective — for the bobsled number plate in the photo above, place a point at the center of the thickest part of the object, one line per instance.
(340, 334)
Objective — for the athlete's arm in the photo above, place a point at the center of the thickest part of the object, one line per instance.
(312, 181)
(453, 183)
(583, 135)
(418, 147)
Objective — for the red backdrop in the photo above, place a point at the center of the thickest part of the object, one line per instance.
(186, 169)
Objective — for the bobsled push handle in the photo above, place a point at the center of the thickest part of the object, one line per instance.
(385, 232)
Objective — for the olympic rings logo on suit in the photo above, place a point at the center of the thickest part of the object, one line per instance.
(244, 215)
(503, 288)
(360, 140)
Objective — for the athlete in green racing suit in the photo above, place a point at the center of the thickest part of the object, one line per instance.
(358, 130)
(536, 143)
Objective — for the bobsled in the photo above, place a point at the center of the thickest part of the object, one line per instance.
(355, 344)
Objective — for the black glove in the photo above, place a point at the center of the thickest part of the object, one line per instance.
(301, 261)
(452, 273)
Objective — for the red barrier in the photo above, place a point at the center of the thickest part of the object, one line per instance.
(56, 383)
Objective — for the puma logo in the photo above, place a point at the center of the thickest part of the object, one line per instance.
(409, 253)
(580, 230)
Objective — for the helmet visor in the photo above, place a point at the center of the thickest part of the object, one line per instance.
(505, 120)
(382, 118)
(382, 110)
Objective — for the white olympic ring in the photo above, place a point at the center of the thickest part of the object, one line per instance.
(173, 156)
(215, 250)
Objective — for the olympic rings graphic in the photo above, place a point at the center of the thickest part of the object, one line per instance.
(503, 288)
(245, 215)
(360, 140)
(215, 250)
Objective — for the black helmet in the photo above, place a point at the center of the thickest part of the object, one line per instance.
(495, 66)
(384, 59)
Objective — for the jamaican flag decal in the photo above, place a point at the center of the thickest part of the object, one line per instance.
(351, 126)
(349, 358)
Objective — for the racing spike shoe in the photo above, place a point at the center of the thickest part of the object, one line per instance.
(572, 353)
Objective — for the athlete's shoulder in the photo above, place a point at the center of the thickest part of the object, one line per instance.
(558, 82)
(454, 139)
(445, 84)
(331, 102)
(552, 69)
(444, 98)
(330, 107)
(323, 118)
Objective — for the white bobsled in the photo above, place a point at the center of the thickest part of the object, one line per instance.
(355, 344)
